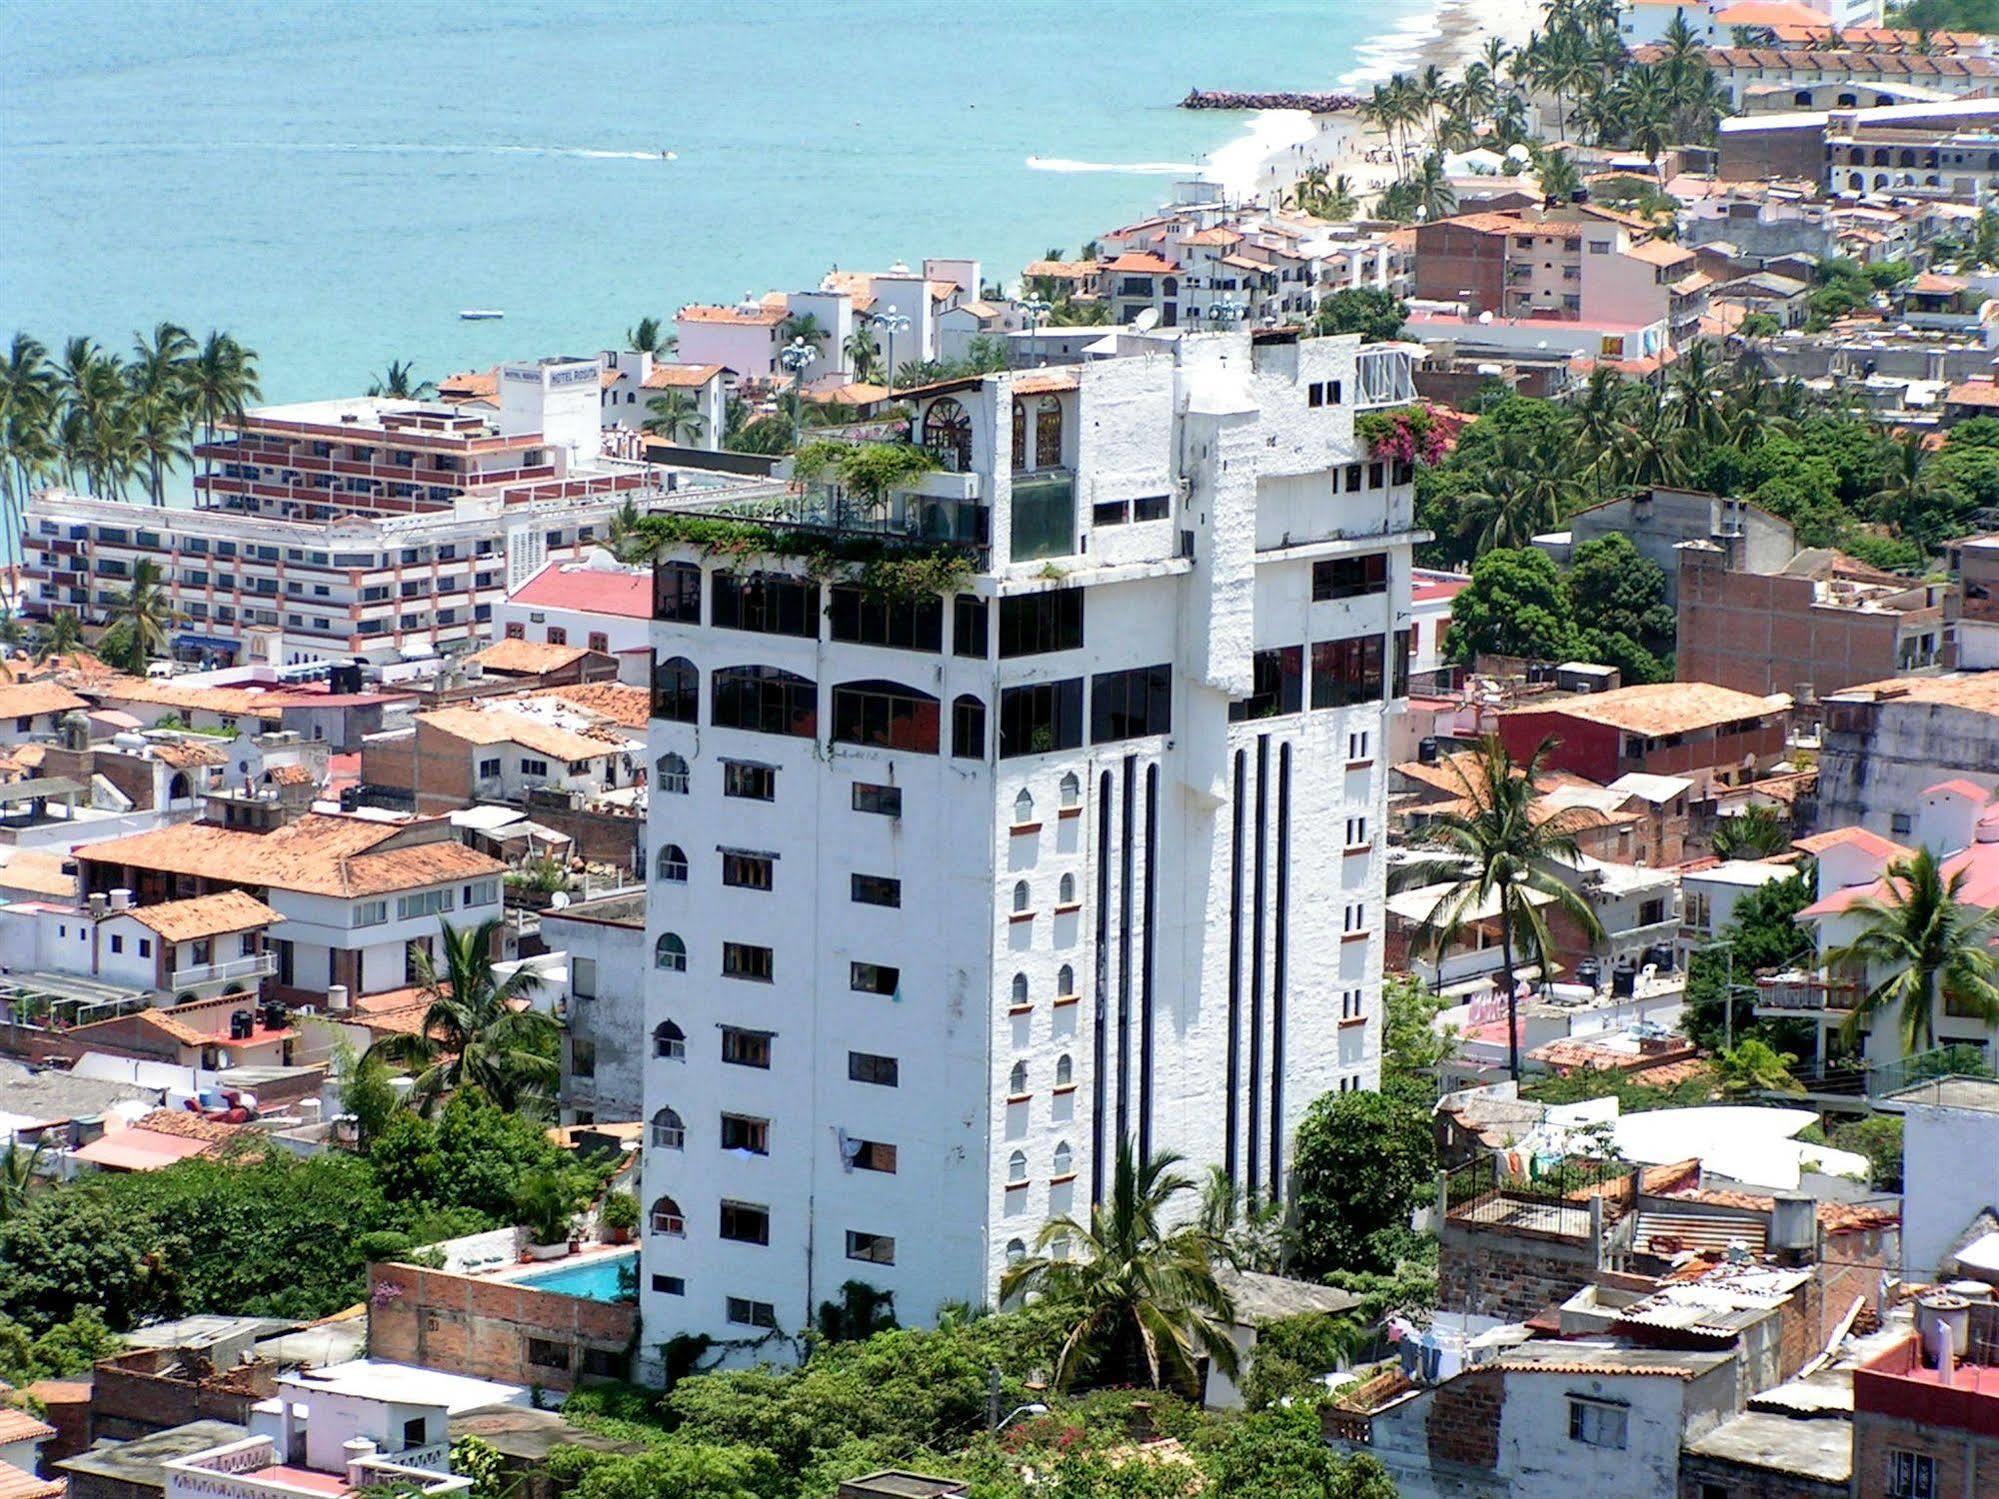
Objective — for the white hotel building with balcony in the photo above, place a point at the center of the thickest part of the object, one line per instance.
(950, 893)
(367, 527)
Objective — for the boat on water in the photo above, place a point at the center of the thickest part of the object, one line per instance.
(480, 314)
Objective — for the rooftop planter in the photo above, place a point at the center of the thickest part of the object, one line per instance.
(1403, 434)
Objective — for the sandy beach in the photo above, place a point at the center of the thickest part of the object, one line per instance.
(1280, 145)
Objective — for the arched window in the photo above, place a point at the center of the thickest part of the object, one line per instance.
(1906, 158)
(672, 864)
(670, 952)
(177, 788)
(1016, 1166)
(1065, 1070)
(669, 1042)
(1065, 1159)
(1065, 980)
(1171, 286)
(968, 728)
(668, 1219)
(1848, 101)
(1023, 807)
(765, 700)
(1072, 790)
(1048, 433)
(1015, 1251)
(1802, 98)
(1016, 1080)
(1019, 436)
(1019, 896)
(1066, 891)
(947, 432)
(885, 714)
(672, 773)
(668, 1130)
(676, 691)
(1880, 156)
(1020, 988)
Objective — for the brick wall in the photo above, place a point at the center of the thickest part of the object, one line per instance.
(600, 837)
(137, 1393)
(1501, 1273)
(1741, 1481)
(1966, 1463)
(467, 1325)
(1464, 1419)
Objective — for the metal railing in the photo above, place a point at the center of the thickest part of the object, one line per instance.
(1550, 1200)
(257, 966)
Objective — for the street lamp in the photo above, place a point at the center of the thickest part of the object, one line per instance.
(795, 356)
(1226, 311)
(1036, 309)
(891, 323)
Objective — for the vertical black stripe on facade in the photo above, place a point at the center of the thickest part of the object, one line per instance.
(1145, 965)
(1277, 971)
(1235, 972)
(1124, 900)
(1098, 1070)
(1259, 872)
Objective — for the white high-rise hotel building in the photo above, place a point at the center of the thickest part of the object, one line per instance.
(951, 894)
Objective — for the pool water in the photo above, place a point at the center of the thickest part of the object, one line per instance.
(595, 1280)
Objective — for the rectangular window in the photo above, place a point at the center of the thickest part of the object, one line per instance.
(1346, 672)
(757, 783)
(669, 1285)
(746, 1222)
(427, 903)
(146, 946)
(884, 801)
(488, 769)
(371, 913)
(1356, 831)
(1597, 1423)
(583, 977)
(546, 1355)
(871, 1155)
(741, 960)
(969, 631)
(1911, 1475)
(866, 1067)
(533, 767)
(556, 634)
(1035, 720)
(1349, 577)
(876, 890)
(746, 1313)
(480, 893)
(767, 603)
(873, 978)
(906, 624)
(747, 871)
(676, 593)
(1110, 513)
(1032, 624)
(582, 1057)
(1128, 704)
(117, 944)
(1278, 684)
(1149, 507)
(743, 1048)
(741, 1132)
(875, 1249)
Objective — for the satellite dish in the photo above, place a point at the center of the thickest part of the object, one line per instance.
(558, 900)
(1147, 320)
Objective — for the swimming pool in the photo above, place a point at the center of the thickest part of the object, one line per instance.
(596, 1279)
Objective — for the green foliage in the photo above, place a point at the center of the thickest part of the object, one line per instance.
(1754, 1066)
(1879, 1138)
(1618, 601)
(1756, 832)
(885, 569)
(860, 1312)
(1411, 1046)
(1363, 1162)
(471, 1156)
(367, 1092)
(1293, 1353)
(545, 1204)
(620, 1212)
(1516, 605)
(1376, 315)
(671, 1470)
(1765, 938)
(60, 1352)
(1633, 1096)
(1279, 1454)
(1760, 325)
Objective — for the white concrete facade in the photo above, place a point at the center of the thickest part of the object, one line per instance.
(1112, 921)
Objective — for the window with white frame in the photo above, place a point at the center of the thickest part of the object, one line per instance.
(1598, 1423)
(425, 903)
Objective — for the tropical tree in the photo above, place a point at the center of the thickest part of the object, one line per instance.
(1756, 832)
(802, 327)
(479, 1032)
(1142, 1301)
(399, 383)
(1926, 942)
(220, 381)
(1753, 1065)
(61, 636)
(674, 416)
(142, 621)
(158, 379)
(650, 336)
(1558, 174)
(1497, 853)
(863, 353)
(17, 1174)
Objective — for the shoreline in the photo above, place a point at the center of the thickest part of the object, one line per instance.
(1278, 146)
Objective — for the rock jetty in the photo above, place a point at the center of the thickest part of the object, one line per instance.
(1205, 98)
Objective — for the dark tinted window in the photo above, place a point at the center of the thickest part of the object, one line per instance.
(1350, 577)
(766, 700)
(1279, 684)
(910, 624)
(1345, 672)
(887, 714)
(1044, 717)
(676, 593)
(968, 728)
(883, 800)
(768, 603)
(1031, 624)
(1127, 704)
(676, 691)
(969, 618)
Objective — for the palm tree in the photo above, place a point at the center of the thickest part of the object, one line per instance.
(157, 376)
(801, 327)
(650, 337)
(1755, 1066)
(1558, 174)
(476, 1032)
(1927, 942)
(1756, 832)
(142, 619)
(28, 404)
(1526, 490)
(17, 1175)
(1906, 486)
(863, 352)
(399, 383)
(672, 415)
(1496, 852)
(61, 637)
(1143, 1302)
(221, 382)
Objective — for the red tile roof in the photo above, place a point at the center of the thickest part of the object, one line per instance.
(628, 595)
(1142, 265)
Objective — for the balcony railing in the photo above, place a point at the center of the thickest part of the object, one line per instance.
(258, 965)
(912, 515)
(1385, 377)
(1804, 992)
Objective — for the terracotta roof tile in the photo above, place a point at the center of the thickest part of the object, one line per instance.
(623, 704)
(762, 315)
(291, 775)
(1660, 707)
(495, 725)
(185, 754)
(528, 657)
(1860, 838)
(205, 915)
(318, 854)
(1142, 265)
(681, 376)
(18, 1426)
(185, 1124)
(26, 699)
(18, 1484)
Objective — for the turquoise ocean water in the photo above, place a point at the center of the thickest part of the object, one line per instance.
(333, 182)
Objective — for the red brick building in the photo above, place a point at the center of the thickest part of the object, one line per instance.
(1706, 733)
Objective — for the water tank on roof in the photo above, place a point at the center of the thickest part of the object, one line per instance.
(1794, 1223)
